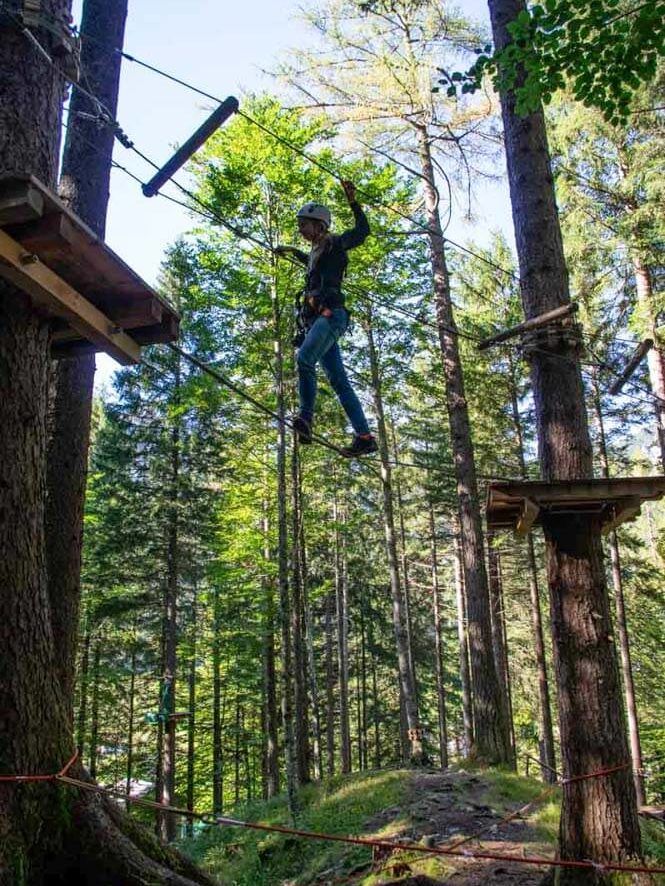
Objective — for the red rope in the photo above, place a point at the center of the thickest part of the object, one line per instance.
(595, 774)
(431, 850)
(357, 841)
(23, 778)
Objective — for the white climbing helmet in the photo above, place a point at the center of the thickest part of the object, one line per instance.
(317, 212)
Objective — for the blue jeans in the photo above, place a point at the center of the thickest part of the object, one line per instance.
(320, 345)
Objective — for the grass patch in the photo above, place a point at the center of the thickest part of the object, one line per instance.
(653, 842)
(507, 789)
(341, 806)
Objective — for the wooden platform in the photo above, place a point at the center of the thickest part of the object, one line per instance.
(519, 505)
(96, 301)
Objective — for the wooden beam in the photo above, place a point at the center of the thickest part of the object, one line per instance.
(623, 512)
(528, 325)
(20, 202)
(638, 355)
(527, 518)
(182, 155)
(591, 490)
(124, 314)
(57, 297)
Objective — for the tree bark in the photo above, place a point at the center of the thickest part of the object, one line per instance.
(217, 713)
(302, 750)
(375, 700)
(84, 187)
(341, 593)
(330, 688)
(499, 641)
(491, 736)
(191, 720)
(462, 635)
(407, 687)
(546, 744)
(94, 711)
(82, 717)
(129, 769)
(655, 359)
(405, 567)
(167, 821)
(269, 673)
(599, 816)
(314, 704)
(364, 764)
(285, 602)
(621, 622)
(438, 641)
(48, 834)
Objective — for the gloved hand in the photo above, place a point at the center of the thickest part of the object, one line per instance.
(349, 190)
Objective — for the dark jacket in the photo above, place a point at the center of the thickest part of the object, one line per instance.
(324, 279)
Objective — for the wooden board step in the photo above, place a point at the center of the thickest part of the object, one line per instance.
(520, 504)
(96, 301)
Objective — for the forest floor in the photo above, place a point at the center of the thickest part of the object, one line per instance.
(429, 807)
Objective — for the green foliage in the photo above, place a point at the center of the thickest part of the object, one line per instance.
(341, 806)
(603, 52)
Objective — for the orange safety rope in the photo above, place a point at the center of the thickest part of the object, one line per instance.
(54, 777)
(220, 820)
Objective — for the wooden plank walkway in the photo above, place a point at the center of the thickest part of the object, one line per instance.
(96, 301)
(519, 505)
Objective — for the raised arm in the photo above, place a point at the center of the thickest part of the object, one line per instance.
(359, 233)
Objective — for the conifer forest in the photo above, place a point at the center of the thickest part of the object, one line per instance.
(210, 630)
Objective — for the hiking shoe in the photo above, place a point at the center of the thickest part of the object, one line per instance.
(360, 446)
(303, 429)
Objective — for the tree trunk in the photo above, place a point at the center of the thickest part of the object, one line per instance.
(499, 641)
(622, 626)
(491, 736)
(438, 641)
(167, 821)
(314, 704)
(84, 187)
(342, 639)
(191, 720)
(330, 688)
(375, 701)
(129, 772)
(269, 674)
(465, 671)
(407, 687)
(405, 566)
(217, 714)
(599, 815)
(655, 358)
(297, 628)
(364, 763)
(94, 712)
(82, 718)
(285, 602)
(546, 744)
(36, 737)
(48, 834)
(236, 754)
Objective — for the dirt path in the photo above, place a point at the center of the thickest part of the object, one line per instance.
(444, 808)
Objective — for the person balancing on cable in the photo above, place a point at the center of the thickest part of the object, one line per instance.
(325, 318)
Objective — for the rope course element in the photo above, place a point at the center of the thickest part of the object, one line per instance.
(240, 392)
(19, 779)
(224, 821)
(425, 228)
(211, 214)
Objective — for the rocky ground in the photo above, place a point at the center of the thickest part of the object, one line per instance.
(442, 810)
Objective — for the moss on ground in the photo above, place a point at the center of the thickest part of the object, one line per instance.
(348, 805)
(340, 806)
